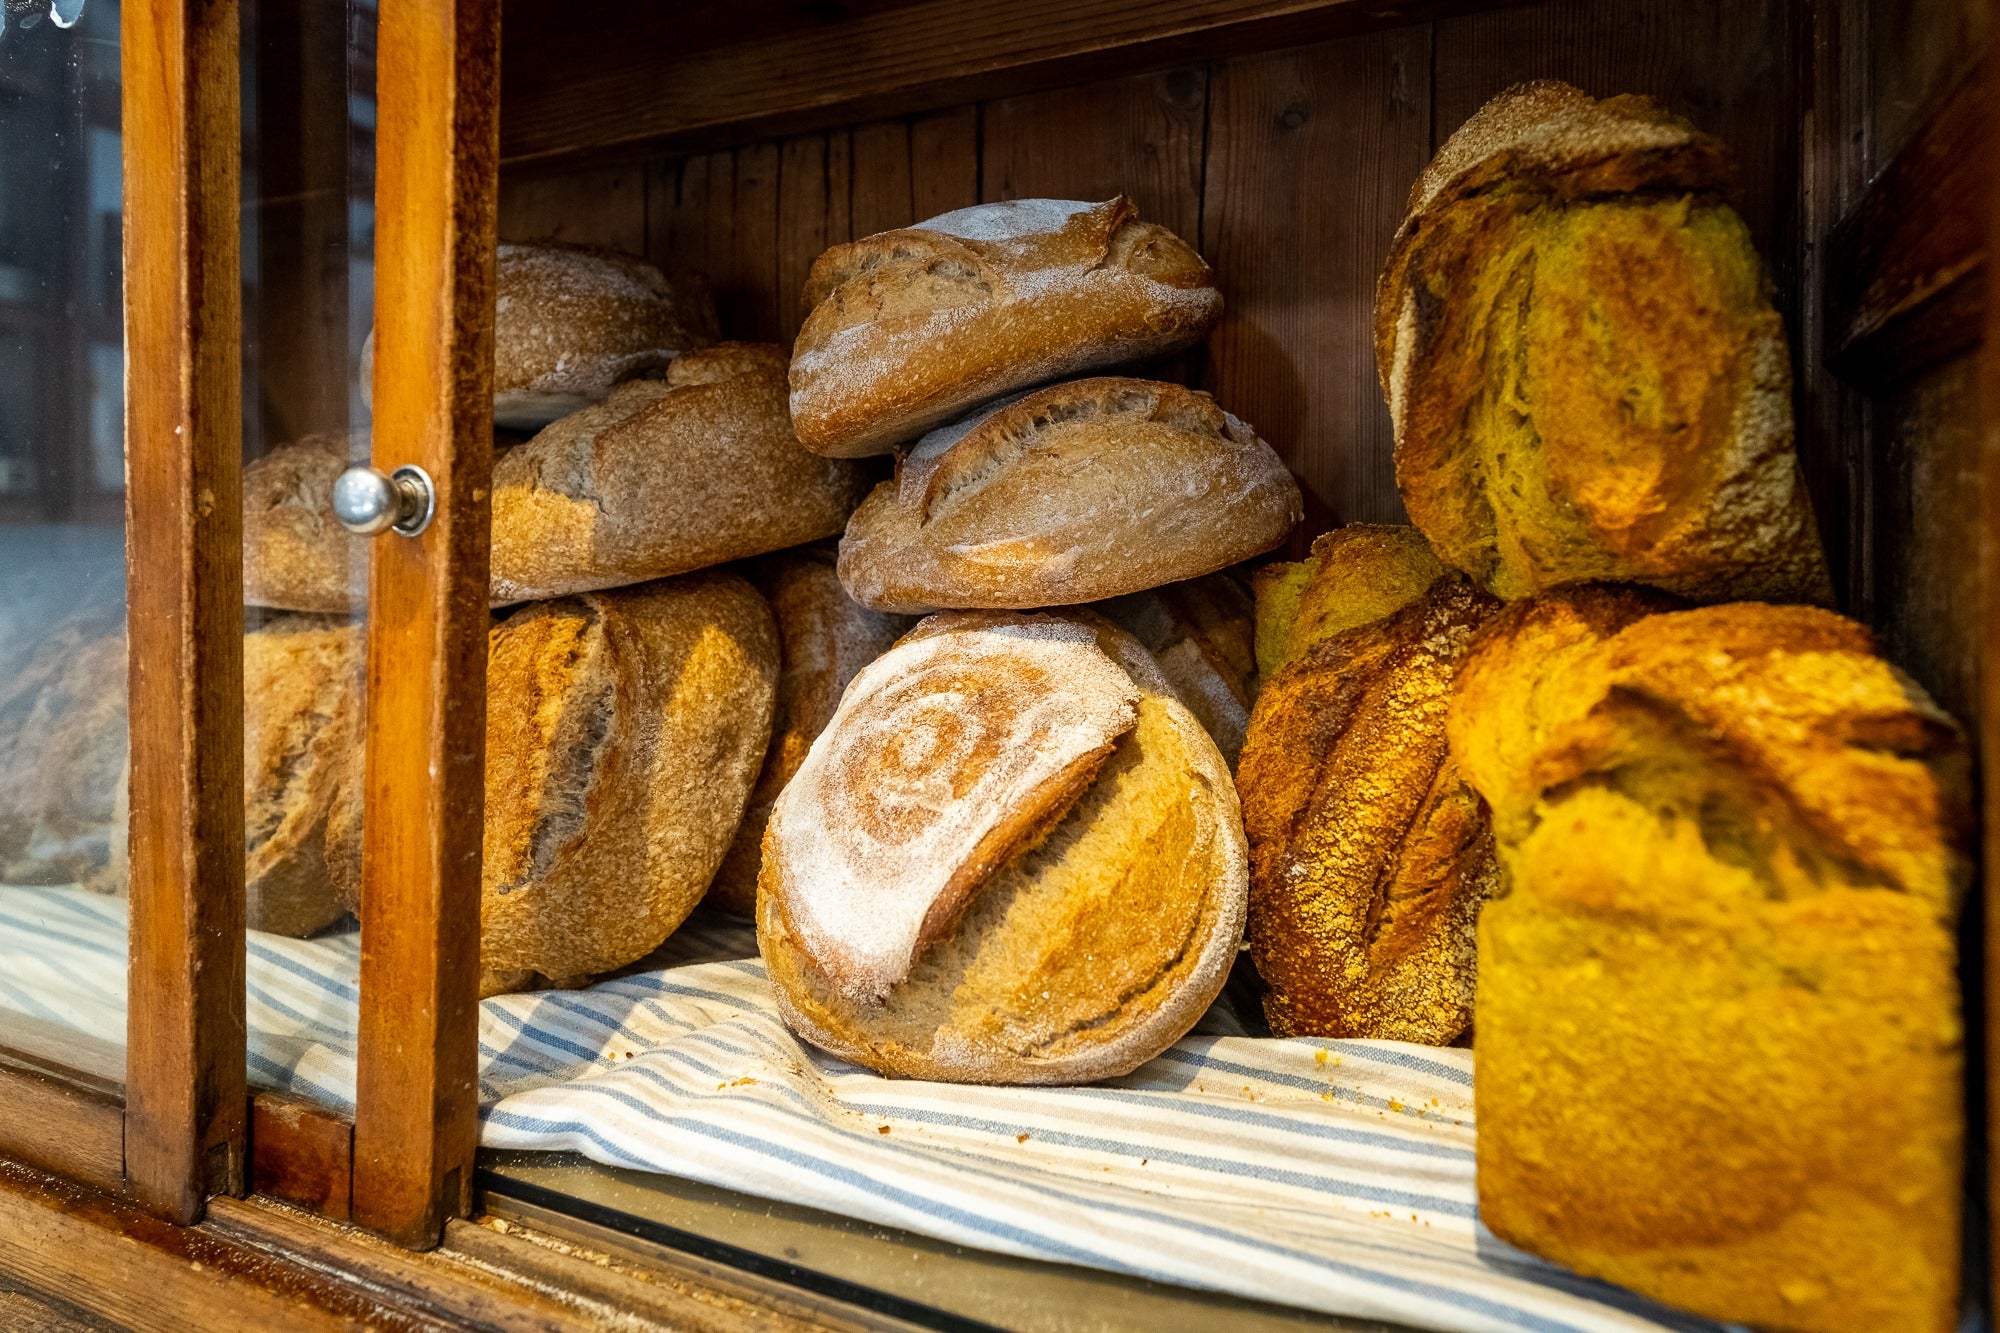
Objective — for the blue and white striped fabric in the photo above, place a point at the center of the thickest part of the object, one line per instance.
(1334, 1175)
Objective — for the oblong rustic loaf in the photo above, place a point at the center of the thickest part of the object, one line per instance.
(1720, 1051)
(1369, 856)
(623, 732)
(64, 750)
(1201, 632)
(1585, 374)
(1081, 900)
(825, 638)
(1072, 493)
(663, 477)
(910, 328)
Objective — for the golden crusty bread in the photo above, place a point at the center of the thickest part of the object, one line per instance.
(1071, 493)
(1012, 857)
(64, 748)
(662, 477)
(1720, 1051)
(911, 328)
(1201, 632)
(296, 556)
(824, 639)
(570, 321)
(623, 732)
(665, 478)
(1585, 374)
(1369, 856)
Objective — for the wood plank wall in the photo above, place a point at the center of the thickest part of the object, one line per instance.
(1291, 168)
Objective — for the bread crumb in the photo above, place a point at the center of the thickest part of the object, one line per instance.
(883, 1130)
(1020, 1138)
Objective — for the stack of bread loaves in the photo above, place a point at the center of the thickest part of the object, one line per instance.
(1015, 852)
(1719, 850)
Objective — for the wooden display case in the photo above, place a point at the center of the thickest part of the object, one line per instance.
(1281, 136)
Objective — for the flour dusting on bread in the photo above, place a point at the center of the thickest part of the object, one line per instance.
(946, 756)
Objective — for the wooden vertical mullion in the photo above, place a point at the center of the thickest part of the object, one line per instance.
(436, 184)
(184, 1098)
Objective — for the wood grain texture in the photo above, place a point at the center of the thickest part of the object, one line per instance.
(185, 1098)
(59, 1125)
(135, 1271)
(416, 1095)
(1906, 266)
(1311, 156)
(809, 67)
(606, 206)
(1146, 138)
(302, 1154)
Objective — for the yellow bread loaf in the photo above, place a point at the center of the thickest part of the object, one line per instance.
(1720, 1052)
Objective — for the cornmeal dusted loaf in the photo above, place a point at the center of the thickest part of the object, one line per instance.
(623, 732)
(662, 477)
(1012, 857)
(1585, 374)
(64, 746)
(1369, 856)
(910, 328)
(1201, 633)
(1720, 1053)
(1071, 493)
(824, 638)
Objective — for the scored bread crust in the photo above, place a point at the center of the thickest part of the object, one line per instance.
(662, 478)
(1073, 493)
(1201, 633)
(825, 638)
(1370, 857)
(623, 732)
(1664, 456)
(1086, 954)
(910, 328)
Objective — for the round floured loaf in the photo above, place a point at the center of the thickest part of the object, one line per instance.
(825, 639)
(1586, 377)
(623, 732)
(1012, 857)
(1071, 493)
(663, 477)
(912, 327)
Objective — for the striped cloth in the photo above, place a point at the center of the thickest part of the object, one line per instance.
(1333, 1175)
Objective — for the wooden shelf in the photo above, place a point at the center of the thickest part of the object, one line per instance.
(601, 79)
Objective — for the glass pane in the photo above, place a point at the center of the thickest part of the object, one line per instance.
(62, 560)
(308, 289)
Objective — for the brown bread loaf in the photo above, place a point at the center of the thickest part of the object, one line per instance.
(571, 321)
(1720, 1052)
(1585, 374)
(623, 732)
(1201, 633)
(1012, 857)
(1072, 493)
(1369, 856)
(661, 478)
(64, 747)
(824, 638)
(910, 328)
(664, 478)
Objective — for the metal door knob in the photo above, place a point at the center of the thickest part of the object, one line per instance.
(368, 503)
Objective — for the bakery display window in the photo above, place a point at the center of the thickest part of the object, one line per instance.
(898, 665)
